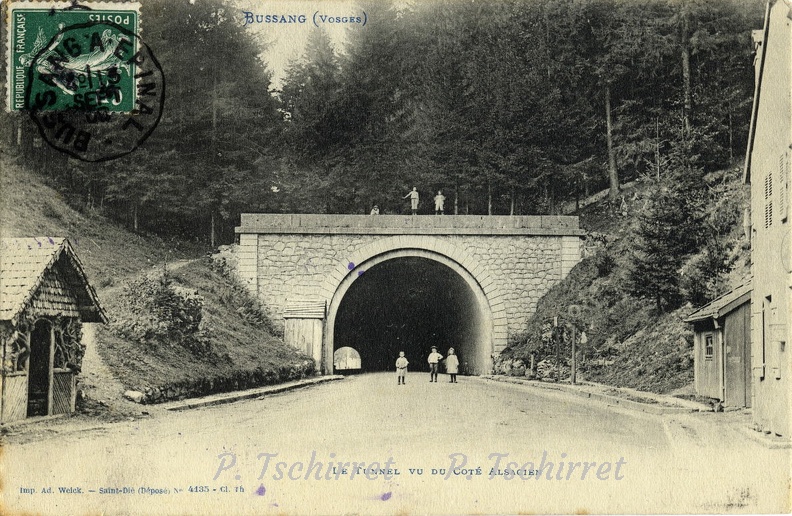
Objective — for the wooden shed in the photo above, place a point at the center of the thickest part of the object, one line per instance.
(44, 299)
(304, 326)
(723, 348)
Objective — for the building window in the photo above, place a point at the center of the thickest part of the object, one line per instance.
(709, 349)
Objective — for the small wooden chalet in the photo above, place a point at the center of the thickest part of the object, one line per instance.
(723, 348)
(44, 299)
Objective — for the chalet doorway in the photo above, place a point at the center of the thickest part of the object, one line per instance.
(39, 369)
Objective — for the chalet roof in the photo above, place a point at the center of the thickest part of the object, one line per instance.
(723, 305)
(762, 53)
(24, 264)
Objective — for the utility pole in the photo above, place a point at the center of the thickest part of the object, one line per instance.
(574, 315)
(574, 356)
(557, 339)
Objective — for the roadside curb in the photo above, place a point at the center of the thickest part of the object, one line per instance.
(770, 442)
(33, 420)
(606, 399)
(259, 392)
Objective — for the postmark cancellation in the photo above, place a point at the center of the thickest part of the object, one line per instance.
(85, 76)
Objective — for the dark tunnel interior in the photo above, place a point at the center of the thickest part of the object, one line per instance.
(410, 304)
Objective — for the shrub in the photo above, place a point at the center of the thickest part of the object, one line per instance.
(238, 298)
(604, 263)
(157, 312)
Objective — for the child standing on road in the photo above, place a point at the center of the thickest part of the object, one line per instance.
(434, 359)
(452, 365)
(401, 368)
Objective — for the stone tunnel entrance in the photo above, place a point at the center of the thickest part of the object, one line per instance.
(409, 301)
(476, 280)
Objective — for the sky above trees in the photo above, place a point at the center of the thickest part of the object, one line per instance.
(286, 42)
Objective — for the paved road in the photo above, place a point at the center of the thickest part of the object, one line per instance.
(664, 464)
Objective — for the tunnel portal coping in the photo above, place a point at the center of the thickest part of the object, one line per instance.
(490, 225)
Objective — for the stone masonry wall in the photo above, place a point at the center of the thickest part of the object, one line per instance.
(524, 269)
(283, 267)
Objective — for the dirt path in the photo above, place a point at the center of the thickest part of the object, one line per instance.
(97, 380)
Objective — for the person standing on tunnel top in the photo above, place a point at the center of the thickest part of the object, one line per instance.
(452, 365)
(413, 200)
(434, 359)
(401, 368)
(439, 202)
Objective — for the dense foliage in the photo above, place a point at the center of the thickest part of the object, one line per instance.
(645, 271)
(507, 106)
(155, 312)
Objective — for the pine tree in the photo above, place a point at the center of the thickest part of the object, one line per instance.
(669, 230)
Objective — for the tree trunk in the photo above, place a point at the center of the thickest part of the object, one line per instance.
(135, 217)
(657, 147)
(547, 44)
(731, 135)
(613, 174)
(546, 195)
(688, 96)
(456, 197)
(511, 207)
(489, 197)
(214, 112)
(212, 230)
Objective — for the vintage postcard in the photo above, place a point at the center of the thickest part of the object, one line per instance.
(395, 257)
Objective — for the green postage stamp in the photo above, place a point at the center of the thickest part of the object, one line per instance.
(82, 73)
(67, 56)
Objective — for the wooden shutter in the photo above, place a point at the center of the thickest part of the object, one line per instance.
(783, 187)
(768, 199)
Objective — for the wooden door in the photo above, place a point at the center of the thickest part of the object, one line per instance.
(305, 335)
(736, 364)
(40, 370)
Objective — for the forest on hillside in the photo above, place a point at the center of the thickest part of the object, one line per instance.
(509, 107)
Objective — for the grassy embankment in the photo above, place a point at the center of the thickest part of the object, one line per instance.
(239, 349)
(629, 343)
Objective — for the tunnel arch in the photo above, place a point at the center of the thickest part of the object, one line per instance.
(493, 329)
